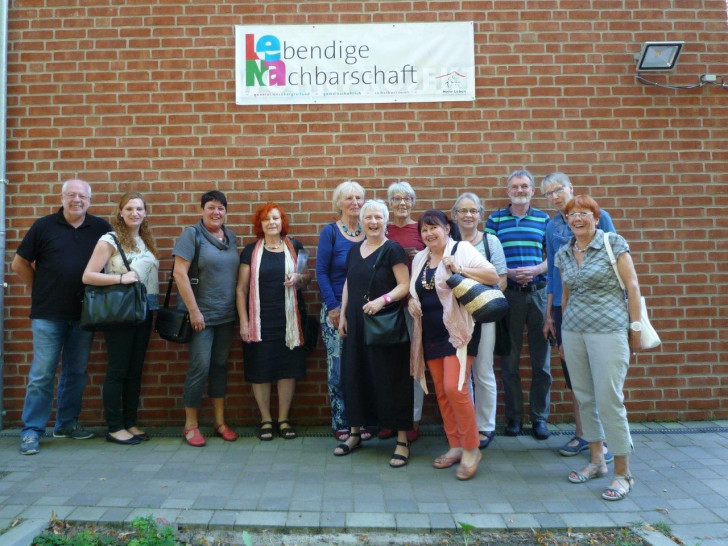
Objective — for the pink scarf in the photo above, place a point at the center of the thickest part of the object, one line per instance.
(294, 334)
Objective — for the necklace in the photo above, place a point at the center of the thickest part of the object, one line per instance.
(582, 250)
(474, 237)
(273, 247)
(427, 285)
(350, 233)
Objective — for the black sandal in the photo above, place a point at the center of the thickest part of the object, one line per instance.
(265, 433)
(345, 449)
(398, 457)
(288, 433)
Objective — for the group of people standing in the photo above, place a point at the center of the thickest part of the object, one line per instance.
(553, 272)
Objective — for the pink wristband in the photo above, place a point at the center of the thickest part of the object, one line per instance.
(387, 299)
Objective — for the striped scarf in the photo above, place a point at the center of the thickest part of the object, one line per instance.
(294, 334)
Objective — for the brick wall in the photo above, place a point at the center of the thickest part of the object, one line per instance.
(141, 96)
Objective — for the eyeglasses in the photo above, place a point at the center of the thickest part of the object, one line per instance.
(466, 211)
(552, 193)
(401, 199)
(579, 215)
(74, 195)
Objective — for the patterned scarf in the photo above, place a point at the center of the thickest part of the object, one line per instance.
(294, 334)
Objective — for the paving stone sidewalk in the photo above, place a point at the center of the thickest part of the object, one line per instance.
(681, 474)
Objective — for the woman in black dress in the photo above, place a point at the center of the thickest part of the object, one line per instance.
(377, 381)
(270, 322)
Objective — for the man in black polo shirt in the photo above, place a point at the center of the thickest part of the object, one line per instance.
(50, 260)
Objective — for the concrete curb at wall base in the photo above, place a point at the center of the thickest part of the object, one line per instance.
(24, 533)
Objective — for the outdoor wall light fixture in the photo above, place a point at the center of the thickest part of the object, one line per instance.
(662, 56)
(658, 56)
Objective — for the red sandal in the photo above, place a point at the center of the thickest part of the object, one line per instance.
(225, 432)
(194, 437)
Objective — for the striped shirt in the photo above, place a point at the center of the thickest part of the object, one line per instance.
(523, 239)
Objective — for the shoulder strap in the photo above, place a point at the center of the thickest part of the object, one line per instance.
(194, 265)
(486, 246)
(382, 252)
(121, 251)
(612, 259)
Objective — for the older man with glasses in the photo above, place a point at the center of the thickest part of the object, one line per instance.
(50, 261)
(521, 230)
(558, 190)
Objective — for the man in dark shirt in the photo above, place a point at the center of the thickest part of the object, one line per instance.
(50, 261)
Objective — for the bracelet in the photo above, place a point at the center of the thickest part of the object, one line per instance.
(462, 271)
(387, 299)
(121, 276)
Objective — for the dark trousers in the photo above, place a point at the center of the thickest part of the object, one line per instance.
(126, 348)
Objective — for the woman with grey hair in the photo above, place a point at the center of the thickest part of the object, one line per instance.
(468, 213)
(403, 230)
(334, 243)
(376, 378)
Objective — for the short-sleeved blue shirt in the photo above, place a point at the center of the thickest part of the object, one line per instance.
(523, 238)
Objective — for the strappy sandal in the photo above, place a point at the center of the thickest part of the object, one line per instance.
(589, 472)
(397, 457)
(366, 434)
(265, 431)
(345, 448)
(287, 433)
(624, 486)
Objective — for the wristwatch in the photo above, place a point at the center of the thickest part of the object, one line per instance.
(635, 326)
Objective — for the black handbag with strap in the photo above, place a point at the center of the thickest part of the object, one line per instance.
(388, 326)
(174, 324)
(116, 305)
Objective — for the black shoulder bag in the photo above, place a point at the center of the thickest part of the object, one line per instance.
(116, 305)
(174, 324)
(388, 326)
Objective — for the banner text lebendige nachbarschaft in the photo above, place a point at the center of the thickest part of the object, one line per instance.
(267, 55)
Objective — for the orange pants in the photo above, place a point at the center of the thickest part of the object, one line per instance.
(456, 407)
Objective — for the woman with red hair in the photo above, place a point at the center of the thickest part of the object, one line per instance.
(270, 321)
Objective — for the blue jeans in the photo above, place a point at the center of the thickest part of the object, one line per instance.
(53, 339)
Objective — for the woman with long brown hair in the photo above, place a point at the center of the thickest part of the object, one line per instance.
(126, 347)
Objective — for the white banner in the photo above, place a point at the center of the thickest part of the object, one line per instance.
(367, 63)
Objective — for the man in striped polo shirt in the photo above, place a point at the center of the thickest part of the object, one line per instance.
(521, 230)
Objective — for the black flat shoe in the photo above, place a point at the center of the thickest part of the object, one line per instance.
(130, 442)
(513, 428)
(485, 442)
(143, 437)
(540, 430)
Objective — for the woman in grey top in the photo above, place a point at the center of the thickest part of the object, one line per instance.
(468, 213)
(599, 329)
(210, 299)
